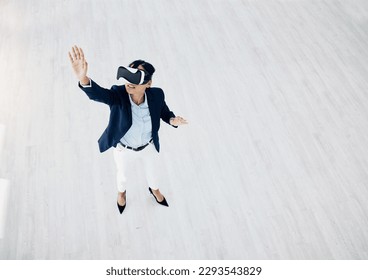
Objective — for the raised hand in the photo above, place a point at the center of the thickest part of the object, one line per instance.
(178, 121)
(79, 64)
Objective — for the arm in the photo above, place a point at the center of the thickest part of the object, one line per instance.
(166, 114)
(93, 90)
(97, 93)
(170, 118)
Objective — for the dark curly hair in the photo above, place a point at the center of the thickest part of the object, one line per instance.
(148, 68)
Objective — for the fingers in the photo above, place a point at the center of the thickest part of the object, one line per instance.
(81, 53)
(70, 57)
(77, 52)
(181, 120)
(74, 53)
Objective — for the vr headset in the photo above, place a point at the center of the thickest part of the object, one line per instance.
(133, 75)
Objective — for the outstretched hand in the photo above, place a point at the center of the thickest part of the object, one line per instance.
(178, 121)
(79, 63)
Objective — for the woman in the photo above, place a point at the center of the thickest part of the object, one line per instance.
(135, 113)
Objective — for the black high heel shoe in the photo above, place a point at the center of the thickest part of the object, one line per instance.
(121, 208)
(163, 202)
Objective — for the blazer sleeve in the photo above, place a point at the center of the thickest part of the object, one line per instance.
(100, 94)
(166, 114)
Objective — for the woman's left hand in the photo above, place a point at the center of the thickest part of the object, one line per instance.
(178, 121)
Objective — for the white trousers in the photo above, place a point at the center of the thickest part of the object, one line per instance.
(147, 161)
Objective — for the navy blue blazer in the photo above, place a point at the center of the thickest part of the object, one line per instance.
(121, 113)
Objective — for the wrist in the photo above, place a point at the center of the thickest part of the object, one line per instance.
(84, 81)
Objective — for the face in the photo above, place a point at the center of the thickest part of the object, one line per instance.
(137, 89)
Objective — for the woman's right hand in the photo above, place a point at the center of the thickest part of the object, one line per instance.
(79, 64)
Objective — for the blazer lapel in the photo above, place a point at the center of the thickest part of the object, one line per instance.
(151, 107)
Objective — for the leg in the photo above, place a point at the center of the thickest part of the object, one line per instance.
(123, 161)
(153, 169)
